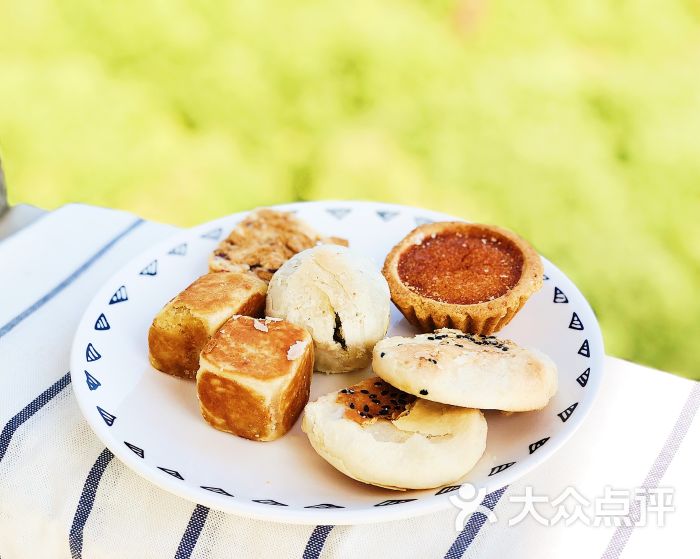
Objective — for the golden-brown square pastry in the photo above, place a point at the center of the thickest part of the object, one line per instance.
(186, 323)
(254, 377)
(263, 241)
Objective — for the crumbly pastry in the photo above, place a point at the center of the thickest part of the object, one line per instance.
(339, 297)
(379, 435)
(263, 241)
(462, 275)
(467, 370)
(180, 330)
(254, 377)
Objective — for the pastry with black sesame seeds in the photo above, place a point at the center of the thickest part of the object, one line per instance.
(467, 370)
(395, 440)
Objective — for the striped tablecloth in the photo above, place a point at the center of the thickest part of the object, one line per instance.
(63, 494)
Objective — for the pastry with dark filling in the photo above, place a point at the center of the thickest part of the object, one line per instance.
(378, 434)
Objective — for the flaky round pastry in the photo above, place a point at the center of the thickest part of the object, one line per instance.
(467, 370)
(420, 446)
(339, 297)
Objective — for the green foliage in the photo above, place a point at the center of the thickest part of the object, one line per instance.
(576, 124)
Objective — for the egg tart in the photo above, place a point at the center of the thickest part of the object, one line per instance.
(468, 276)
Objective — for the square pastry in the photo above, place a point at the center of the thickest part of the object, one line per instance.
(183, 327)
(254, 377)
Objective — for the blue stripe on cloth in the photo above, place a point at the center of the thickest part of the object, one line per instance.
(316, 541)
(67, 281)
(87, 499)
(474, 524)
(191, 535)
(29, 410)
(658, 469)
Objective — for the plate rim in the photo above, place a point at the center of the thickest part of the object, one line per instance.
(309, 516)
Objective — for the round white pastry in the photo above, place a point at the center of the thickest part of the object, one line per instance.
(428, 446)
(339, 297)
(467, 370)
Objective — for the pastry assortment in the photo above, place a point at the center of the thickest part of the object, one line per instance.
(282, 301)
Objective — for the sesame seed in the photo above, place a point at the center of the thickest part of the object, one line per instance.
(424, 392)
(383, 412)
(366, 407)
(365, 391)
(382, 354)
(352, 406)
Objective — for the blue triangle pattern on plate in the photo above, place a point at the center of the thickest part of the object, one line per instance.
(91, 381)
(338, 213)
(575, 323)
(269, 502)
(585, 350)
(173, 473)
(150, 270)
(559, 296)
(390, 502)
(500, 468)
(91, 354)
(119, 296)
(566, 414)
(582, 379)
(534, 446)
(448, 489)
(179, 250)
(101, 323)
(387, 215)
(214, 234)
(324, 506)
(108, 417)
(217, 490)
(135, 449)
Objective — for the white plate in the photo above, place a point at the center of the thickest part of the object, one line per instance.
(151, 421)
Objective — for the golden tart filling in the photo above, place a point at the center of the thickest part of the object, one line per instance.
(462, 267)
(462, 275)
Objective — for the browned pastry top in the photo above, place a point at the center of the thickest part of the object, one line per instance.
(373, 399)
(265, 240)
(256, 347)
(462, 265)
(213, 291)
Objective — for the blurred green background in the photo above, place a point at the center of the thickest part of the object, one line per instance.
(576, 124)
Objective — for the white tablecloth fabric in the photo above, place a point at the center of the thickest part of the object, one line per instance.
(62, 494)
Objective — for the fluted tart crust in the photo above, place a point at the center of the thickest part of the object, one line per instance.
(469, 276)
